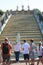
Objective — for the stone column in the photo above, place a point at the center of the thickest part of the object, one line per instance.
(28, 12)
(18, 38)
(22, 7)
(22, 12)
(17, 10)
(11, 12)
(6, 15)
(8, 12)
(28, 7)
(2, 21)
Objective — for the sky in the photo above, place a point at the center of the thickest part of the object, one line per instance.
(12, 4)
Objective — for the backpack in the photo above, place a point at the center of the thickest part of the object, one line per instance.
(5, 49)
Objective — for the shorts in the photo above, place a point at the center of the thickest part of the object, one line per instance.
(26, 56)
(39, 56)
(31, 55)
(6, 58)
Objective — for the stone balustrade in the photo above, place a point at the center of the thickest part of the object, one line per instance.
(3, 20)
(40, 23)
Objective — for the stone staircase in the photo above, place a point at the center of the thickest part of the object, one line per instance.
(26, 25)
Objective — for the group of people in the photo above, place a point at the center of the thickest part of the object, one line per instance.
(26, 48)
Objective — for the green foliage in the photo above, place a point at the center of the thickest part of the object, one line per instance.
(38, 11)
(1, 12)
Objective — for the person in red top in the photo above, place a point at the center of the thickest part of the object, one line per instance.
(6, 51)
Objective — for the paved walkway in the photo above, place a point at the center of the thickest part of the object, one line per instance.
(21, 62)
(24, 64)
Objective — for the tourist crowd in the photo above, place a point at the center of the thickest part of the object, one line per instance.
(27, 48)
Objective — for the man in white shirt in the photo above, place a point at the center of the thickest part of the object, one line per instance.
(25, 48)
(17, 51)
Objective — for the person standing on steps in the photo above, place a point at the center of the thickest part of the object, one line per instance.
(17, 51)
(31, 54)
(39, 52)
(42, 53)
(6, 52)
(25, 48)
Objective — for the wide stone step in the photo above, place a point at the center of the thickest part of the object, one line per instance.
(22, 23)
(22, 34)
(21, 29)
(22, 26)
(25, 24)
(22, 38)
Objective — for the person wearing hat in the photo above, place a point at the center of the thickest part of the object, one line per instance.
(7, 40)
(6, 51)
(39, 52)
(31, 54)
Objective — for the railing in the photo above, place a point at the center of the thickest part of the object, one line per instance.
(40, 23)
(4, 19)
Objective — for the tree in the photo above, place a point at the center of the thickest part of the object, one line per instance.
(1, 12)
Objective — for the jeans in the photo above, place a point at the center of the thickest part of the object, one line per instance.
(17, 56)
